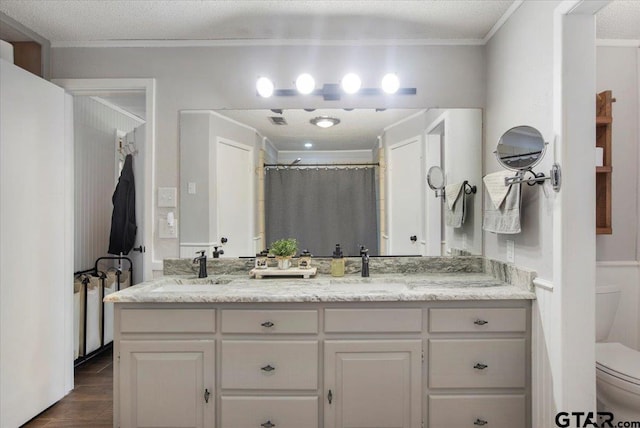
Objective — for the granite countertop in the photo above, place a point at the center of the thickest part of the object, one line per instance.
(322, 288)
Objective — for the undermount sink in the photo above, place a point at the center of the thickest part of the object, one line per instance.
(370, 283)
(191, 285)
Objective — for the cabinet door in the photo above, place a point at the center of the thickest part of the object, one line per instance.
(167, 383)
(372, 383)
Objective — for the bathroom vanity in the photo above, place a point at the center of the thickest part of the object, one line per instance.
(411, 350)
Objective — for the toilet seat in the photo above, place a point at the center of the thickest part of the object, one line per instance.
(619, 361)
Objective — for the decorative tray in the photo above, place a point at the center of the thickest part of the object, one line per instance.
(274, 271)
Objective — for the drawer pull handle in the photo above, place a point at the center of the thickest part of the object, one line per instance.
(267, 324)
(206, 395)
(480, 322)
(267, 424)
(330, 397)
(480, 422)
(480, 366)
(268, 368)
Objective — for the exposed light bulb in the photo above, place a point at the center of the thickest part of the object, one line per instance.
(265, 87)
(351, 83)
(390, 83)
(305, 84)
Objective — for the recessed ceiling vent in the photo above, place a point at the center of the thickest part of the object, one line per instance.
(277, 120)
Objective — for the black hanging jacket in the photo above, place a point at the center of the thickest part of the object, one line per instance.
(123, 219)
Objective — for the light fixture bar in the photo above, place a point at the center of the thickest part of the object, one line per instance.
(333, 92)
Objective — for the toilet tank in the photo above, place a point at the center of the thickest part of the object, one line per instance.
(607, 299)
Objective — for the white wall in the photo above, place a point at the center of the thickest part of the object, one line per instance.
(519, 92)
(538, 67)
(224, 77)
(95, 127)
(199, 132)
(618, 69)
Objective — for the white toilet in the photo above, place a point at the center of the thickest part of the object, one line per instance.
(617, 367)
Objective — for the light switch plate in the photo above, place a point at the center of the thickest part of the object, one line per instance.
(165, 231)
(191, 188)
(167, 197)
(511, 251)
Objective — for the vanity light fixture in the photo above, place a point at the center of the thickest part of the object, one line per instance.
(390, 83)
(265, 87)
(308, 145)
(325, 121)
(305, 83)
(351, 83)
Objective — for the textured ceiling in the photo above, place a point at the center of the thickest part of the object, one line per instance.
(109, 20)
(90, 20)
(619, 20)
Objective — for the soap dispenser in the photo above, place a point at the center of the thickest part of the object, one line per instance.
(337, 262)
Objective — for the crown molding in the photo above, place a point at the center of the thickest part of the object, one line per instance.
(263, 42)
(500, 22)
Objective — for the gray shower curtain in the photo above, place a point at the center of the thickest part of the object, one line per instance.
(322, 208)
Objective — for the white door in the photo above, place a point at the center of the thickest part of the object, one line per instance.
(235, 197)
(167, 383)
(373, 383)
(36, 266)
(406, 196)
(137, 136)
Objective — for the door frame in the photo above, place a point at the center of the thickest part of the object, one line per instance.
(84, 87)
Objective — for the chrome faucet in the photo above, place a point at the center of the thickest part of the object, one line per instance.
(202, 273)
(364, 253)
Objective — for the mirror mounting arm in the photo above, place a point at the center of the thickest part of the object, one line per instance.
(555, 176)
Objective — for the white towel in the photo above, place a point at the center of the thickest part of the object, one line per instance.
(494, 183)
(455, 207)
(506, 218)
(452, 193)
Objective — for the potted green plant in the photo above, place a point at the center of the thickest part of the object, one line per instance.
(284, 249)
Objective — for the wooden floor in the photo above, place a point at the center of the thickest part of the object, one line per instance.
(90, 404)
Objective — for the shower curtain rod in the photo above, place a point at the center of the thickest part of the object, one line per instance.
(287, 165)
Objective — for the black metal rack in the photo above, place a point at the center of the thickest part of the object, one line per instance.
(102, 275)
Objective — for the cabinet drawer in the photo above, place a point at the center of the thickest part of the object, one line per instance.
(269, 321)
(279, 412)
(491, 363)
(254, 364)
(168, 320)
(477, 320)
(372, 320)
(498, 411)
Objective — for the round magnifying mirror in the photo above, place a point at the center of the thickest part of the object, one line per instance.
(520, 148)
(435, 178)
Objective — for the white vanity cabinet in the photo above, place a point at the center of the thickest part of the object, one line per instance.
(165, 368)
(323, 365)
(377, 381)
(478, 367)
(269, 368)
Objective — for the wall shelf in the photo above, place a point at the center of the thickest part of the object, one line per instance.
(604, 122)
